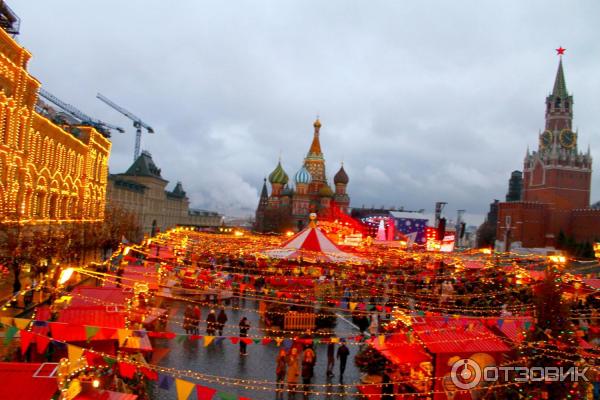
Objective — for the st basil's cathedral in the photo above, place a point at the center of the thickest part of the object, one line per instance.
(289, 205)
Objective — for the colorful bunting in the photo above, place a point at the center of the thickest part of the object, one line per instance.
(205, 393)
(208, 340)
(184, 388)
(165, 381)
(10, 334)
(90, 332)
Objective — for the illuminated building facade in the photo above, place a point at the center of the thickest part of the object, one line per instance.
(47, 174)
(288, 208)
(141, 190)
(556, 184)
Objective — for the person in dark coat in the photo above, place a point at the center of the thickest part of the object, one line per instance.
(308, 367)
(280, 370)
(330, 358)
(342, 355)
(244, 327)
(211, 323)
(221, 321)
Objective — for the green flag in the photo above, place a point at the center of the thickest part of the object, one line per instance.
(90, 332)
(10, 333)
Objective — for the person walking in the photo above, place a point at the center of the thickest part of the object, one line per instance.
(330, 359)
(197, 318)
(187, 319)
(244, 327)
(211, 322)
(292, 373)
(308, 368)
(221, 321)
(343, 354)
(280, 370)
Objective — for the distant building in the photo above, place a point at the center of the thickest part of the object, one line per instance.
(515, 186)
(47, 174)
(141, 190)
(556, 184)
(287, 207)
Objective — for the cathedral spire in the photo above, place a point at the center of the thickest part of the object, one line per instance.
(560, 86)
(315, 147)
(264, 194)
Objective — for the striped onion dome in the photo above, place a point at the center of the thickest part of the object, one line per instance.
(303, 176)
(278, 175)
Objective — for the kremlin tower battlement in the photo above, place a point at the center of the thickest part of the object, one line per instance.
(288, 207)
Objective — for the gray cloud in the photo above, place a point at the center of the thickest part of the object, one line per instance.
(423, 101)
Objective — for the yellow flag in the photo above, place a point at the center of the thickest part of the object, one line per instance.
(208, 340)
(75, 353)
(335, 340)
(353, 305)
(21, 323)
(278, 341)
(6, 321)
(123, 335)
(184, 388)
(381, 339)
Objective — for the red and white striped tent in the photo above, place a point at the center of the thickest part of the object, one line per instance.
(311, 244)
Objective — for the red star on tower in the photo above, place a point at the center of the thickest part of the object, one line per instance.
(560, 51)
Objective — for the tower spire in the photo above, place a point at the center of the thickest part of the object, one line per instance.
(560, 87)
(315, 147)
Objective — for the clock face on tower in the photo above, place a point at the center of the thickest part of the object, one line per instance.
(567, 138)
(546, 139)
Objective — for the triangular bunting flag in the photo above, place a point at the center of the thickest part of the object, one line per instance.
(42, 343)
(126, 369)
(205, 393)
(381, 339)
(208, 340)
(149, 373)
(181, 338)
(165, 381)
(26, 338)
(266, 341)
(500, 322)
(256, 340)
(278, 341)
(90, 332)
(226, 396)
(110, 361)
(6, 321)
(75, 353)
(21, 323)
(184, 388)
(10, 334)
(353, 306)
(234, 339)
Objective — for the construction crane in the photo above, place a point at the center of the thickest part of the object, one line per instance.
(100, 126)
(138, 124)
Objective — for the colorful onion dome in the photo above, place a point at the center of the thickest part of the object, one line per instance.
(325, 191)
(278, 175)
(303, 176)
(341, 177)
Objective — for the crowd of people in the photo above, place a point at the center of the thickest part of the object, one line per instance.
(290, 366)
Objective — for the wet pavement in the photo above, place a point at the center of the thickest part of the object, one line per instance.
(223, 359)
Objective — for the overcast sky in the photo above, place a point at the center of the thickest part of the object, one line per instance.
(423, 101)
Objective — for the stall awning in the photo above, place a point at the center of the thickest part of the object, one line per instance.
(19, 381)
